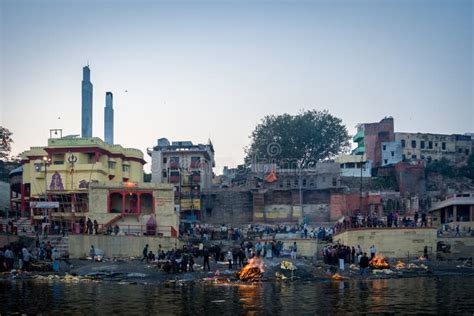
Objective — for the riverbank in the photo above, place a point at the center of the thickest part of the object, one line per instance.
(135, 271)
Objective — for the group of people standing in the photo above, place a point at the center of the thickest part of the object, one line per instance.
(340, 254)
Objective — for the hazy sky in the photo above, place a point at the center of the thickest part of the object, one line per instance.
(199, 70)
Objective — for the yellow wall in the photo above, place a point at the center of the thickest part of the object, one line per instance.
(392, 242)
(85, 168)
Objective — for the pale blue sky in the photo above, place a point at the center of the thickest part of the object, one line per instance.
(198, 70)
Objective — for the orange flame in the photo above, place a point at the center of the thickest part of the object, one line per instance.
(252, 271)
(379, 262)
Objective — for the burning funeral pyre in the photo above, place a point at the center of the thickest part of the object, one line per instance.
(252, 271)
(379, 262)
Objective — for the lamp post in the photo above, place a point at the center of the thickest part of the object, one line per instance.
(47, 162)
(301, 191)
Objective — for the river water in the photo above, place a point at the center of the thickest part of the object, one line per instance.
(443, 295)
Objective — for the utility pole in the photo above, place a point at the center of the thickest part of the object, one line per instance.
(301, 192)
(360, 195)
(46, 161)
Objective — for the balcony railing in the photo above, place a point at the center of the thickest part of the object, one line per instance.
(173, 165)
(174, 179)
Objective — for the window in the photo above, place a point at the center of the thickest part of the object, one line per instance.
(165, 174)
(436, 144)
(459, 150)
(125, 168)
(334, 182)
(350, 165)
(384, 147)
(467, 151)
(58, 162)
(403, 143)
(288, 183)
(413, 156)
(422, 144)
(165, 159)
(430, 145)
(195, 162)
(404, 157)
(385, 161)
(358, 165)
(324, 179)
(111, 164)
(296, 181)
(443, 146)
(304, 182)
(422, 157)
(413, 144)
(392, 153)
(91, 158)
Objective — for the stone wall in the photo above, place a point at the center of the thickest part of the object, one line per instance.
(227, 206)
(118, 246)
(391, 242)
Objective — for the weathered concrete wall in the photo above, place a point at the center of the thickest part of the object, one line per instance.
(346, 204)
(118, 246)
(227, 206)
(391, 242)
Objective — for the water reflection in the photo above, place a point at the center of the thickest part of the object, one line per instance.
(449, 295)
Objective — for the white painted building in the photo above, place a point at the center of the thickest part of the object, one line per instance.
(351, 166)
(391, 153)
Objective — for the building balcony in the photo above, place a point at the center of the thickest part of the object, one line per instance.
(358, 137)
(174, 179)
(359, 150)
(195, 164)
(173, 165)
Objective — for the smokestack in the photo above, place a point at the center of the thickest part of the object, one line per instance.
(86, 102)
(109, 118)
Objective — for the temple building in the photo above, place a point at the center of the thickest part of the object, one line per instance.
(71, 177)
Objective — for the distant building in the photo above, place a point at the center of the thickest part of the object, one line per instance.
(109, 118)
(434, 147)
(188, 167)
(62, 172)
(369, 138)
(86, 102)
(391, 153)
(351, 166)
(455, 210)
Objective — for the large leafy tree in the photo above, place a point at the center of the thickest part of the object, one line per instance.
(297, 140)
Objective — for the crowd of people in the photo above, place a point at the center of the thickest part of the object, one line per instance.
(339, 254)
(392, 220)
(236, 256)
(209, 232)
(17, 255)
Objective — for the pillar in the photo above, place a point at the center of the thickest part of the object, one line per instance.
(11, 197)
(108, 201)
(455, 213)
(22, 205)
(472, 213)
(139, 205)
(123, 203)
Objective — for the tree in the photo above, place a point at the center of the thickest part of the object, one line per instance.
(5, 143)
(297, 140)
